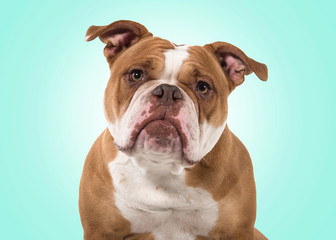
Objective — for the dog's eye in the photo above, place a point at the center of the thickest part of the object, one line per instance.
(136, 75)
(203, 87)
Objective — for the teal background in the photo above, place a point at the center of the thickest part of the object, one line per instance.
(52, 85)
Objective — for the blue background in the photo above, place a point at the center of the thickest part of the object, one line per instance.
(52, 85)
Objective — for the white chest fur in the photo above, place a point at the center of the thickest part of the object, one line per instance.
(160, 202)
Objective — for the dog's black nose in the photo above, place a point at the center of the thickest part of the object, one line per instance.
(167, 93)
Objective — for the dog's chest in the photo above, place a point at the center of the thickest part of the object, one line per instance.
(161, 204)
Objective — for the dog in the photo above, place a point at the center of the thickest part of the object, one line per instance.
(167, 166)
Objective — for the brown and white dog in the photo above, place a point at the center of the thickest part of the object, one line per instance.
(167, 166)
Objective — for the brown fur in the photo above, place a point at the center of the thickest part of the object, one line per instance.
(202, 65)
(226, 172)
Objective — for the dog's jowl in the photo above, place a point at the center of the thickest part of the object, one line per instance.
(167, 166)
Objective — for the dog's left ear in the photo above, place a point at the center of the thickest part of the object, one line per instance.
(236, 64)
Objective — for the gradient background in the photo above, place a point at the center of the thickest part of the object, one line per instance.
(52, 85)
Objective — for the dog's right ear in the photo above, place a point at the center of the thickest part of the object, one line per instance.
(117, 36)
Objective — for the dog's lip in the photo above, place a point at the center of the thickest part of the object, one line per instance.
(187, 163)
(161, 117)
(162, 121)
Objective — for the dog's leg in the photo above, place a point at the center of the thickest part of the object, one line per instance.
(101, 219)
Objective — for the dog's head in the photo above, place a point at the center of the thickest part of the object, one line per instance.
(166, 103)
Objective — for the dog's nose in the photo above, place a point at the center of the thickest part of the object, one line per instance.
(167, 93)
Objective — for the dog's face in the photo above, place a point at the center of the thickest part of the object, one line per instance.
(165, 103)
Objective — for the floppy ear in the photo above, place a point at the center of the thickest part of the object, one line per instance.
(117, 36)
(236, 64)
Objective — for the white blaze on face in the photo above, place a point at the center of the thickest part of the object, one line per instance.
(174, 59)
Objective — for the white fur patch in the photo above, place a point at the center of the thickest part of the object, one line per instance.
(209, 137)
(174, 59)
(161, 203)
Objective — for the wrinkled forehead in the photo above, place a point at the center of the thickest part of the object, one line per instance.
(202, 64)
(147, 53)
(171, 61)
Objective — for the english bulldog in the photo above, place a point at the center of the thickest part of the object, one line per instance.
(167, 166)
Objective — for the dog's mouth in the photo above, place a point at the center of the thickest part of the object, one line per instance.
(159, 135)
